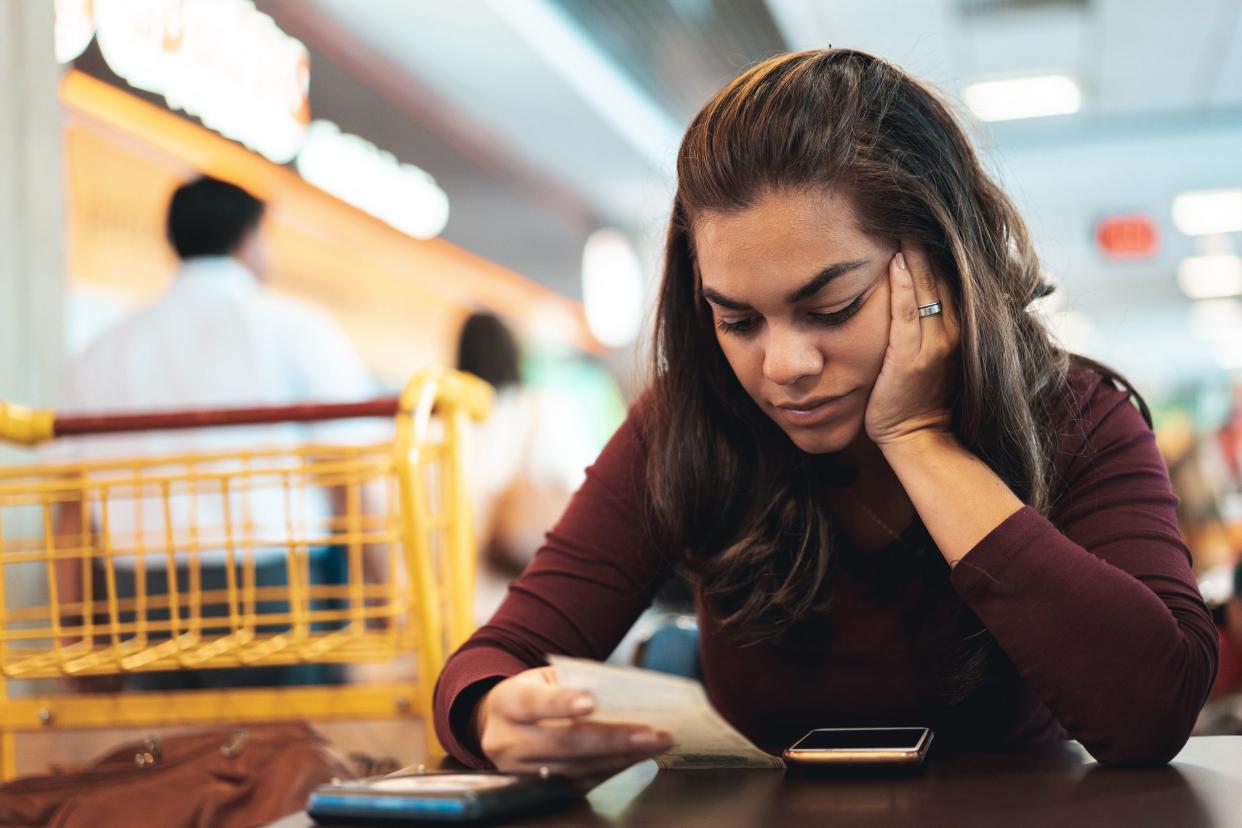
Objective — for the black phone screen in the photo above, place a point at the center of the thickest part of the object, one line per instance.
(877, 738)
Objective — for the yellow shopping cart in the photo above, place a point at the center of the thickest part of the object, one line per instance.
(154, 564)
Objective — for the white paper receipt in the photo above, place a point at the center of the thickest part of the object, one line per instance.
(630, 695)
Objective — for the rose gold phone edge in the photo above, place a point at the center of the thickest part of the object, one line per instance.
(883, 756)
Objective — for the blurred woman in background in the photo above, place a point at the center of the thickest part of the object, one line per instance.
(523, 462)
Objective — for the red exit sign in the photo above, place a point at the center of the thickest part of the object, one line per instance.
(1131, 236)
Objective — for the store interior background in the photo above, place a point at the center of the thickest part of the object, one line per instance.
(544, 122)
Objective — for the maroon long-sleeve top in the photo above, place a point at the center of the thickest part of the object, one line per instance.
(1101, 631)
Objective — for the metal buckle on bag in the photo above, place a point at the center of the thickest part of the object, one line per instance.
(236, 744)
(149, 757)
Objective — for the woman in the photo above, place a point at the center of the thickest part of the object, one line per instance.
(900, 502)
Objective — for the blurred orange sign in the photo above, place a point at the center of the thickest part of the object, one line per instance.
(1131, 236)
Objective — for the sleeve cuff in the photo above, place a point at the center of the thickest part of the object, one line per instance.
(465, 679)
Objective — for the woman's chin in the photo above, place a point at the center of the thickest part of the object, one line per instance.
(826, 439)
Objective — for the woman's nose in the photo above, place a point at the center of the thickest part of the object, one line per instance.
(790, 356)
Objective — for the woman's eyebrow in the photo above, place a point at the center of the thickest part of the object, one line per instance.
(717, 298)
(803, 293)
(822, 278)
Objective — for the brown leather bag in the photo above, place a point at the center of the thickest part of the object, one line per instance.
(236, 777)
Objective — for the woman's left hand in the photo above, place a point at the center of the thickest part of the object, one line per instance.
(913, 392)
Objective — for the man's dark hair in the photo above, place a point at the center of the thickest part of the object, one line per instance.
(209, 217)
(487, 349)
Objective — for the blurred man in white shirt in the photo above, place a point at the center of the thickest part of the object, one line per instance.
(216, 338)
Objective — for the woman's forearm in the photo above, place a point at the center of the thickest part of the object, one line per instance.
(1101, 616)
(959, 499)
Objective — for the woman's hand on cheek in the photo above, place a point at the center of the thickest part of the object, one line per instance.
(913, 391)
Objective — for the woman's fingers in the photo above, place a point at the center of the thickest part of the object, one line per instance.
(940, 328)
(926, 291)
(589, 740)
(904, 335)
(579, 749)
(529, 724)
(528, 702)
(595, 768)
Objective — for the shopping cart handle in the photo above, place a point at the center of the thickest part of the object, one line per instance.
(471, 393)
(32, 426)
(26, 426)
(456, 389)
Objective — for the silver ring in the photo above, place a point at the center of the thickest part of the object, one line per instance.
(930, 310)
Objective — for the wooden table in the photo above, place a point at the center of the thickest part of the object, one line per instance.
(1058, 786)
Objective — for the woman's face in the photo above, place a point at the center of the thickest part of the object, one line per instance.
(800, 301)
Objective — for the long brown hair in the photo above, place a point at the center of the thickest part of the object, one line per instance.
(730, 494)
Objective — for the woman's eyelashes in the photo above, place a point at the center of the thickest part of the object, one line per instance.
(736, 326)
(831, 319)
(839, 317)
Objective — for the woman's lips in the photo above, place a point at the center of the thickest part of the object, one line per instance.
(809, 412)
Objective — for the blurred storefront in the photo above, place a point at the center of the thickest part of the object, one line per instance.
(145, 83)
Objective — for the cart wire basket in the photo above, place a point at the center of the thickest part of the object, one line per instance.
(302, 552)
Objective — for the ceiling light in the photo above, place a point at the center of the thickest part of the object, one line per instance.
(1216, 319)
(1208, 211)
(1032, 97)
(1229, 358)
(222, 61)
(612, 288)
(74, 27)
(1210, 277)
(373, 180)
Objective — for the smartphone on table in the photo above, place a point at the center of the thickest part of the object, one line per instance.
(438, 797)
(904, 746)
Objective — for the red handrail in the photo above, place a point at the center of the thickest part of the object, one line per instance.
(117, 422)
